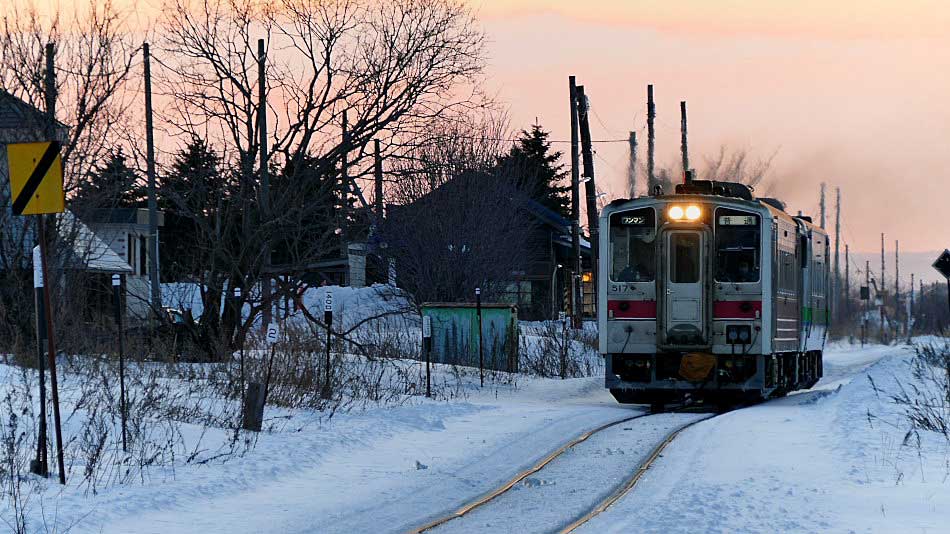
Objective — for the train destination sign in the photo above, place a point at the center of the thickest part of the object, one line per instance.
(737, 220)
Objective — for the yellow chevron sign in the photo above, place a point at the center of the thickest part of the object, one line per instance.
(36, 178)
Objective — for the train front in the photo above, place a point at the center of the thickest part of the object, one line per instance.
(680, 298)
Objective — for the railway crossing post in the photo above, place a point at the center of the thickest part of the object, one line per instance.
(427, 348)
(481, 354)
(117, 300)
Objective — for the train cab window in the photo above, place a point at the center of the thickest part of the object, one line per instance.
(737, 246)
(633, 246)
(684, 260)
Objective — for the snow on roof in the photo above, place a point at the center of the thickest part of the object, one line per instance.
(88, 251)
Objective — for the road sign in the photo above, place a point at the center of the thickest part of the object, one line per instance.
(943, 264)
(272, 333)
(328, 302)
(36, 178)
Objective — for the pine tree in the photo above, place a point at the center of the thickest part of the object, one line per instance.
(190, 192)
(537, 171)
(112, 185)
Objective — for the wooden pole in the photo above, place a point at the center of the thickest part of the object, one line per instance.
(881, 290)
(378, 177)
(684, 147)
(632, 170)
(153, 275)
(897, 286)
(590, 188)
(836, 302)
(577, 298)
(910, 315)
(651, 140)
(44, 258)
(821, 205)
(867, 303)
(265, 179)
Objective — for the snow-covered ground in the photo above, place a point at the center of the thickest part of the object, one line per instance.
(832, 459)
(826, 460)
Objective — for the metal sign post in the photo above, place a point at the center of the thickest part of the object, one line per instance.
(328, 320)
(117, 298)
(40, 465)
(427, 347)
(481, 354)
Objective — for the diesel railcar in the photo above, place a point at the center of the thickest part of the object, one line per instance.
(710, 293)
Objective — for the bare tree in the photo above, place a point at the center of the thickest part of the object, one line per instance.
(392, 67)
(94, 57)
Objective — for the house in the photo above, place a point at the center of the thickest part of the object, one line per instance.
(542, 284)
(81, 249)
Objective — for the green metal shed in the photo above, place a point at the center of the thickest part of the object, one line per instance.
(455, 334)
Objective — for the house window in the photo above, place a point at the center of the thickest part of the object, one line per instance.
(130, 251)
(143, 255)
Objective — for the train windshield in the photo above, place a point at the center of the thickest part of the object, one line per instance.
(633, 246)
(737, 246)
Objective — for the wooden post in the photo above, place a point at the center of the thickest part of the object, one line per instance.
(590, 188)
(836, 295)
(867, 303)
(821, 205)
(153, 275)
(254, 407)
(847, 281)
(481, 353)
(632, 171)
(265, 179)
(684, 147)
(50, 89)
(378, 179)
(881, 291)
(910, 315)
(897, 288)
(577, 299)
(651, 140)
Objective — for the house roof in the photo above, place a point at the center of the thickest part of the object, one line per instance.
(89, 252)
(16, 114)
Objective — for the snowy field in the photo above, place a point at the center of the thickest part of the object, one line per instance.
(832, 459)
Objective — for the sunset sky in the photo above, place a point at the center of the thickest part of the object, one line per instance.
(849, 92)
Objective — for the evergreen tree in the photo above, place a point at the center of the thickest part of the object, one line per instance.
(112, 185)
(537, 171)
(189, 195)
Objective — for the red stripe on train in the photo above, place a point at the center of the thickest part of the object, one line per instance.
(736, 309)
(631, 309)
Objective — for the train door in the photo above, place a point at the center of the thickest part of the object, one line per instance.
(684, 295)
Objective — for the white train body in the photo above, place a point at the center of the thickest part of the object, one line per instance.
(708, 294)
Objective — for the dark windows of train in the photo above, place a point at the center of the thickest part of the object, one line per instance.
(737, 246)
(633, 246)
(684, 258)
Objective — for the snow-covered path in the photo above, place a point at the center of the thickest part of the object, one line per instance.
(811, 462)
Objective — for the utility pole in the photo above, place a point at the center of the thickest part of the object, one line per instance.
(378, 176)
(577, 299)
(910, 314)
(836, 304)
(822, 205)
(684, 147)
(590, 188)
(897, 287)
(651, 140)
(153, 274)
(847, 282)
(345, 195)
(867, 303)
(632, 171)
(265, 181)
(47, 305)
(881, 290)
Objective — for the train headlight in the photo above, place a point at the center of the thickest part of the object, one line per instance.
(693, 212)
(676, 213)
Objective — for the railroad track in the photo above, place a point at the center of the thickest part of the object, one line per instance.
(622, 489)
